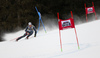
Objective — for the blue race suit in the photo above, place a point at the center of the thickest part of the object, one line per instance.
(30, 31)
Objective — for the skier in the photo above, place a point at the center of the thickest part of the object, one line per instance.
(29, 31)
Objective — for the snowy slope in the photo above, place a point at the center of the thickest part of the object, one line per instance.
(47, 45)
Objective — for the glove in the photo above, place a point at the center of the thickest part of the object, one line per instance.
(27, 33)
(34, 35)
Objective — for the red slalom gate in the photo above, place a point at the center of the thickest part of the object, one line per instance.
(90, 10)
(65, 24)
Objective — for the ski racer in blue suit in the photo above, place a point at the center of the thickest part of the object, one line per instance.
(29, 31)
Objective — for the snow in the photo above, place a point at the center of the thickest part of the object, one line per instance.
(47, 45)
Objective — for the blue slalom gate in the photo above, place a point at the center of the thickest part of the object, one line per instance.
(40, 20)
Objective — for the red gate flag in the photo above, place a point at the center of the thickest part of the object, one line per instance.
(68, 23)
(64, 24)
(90, 10)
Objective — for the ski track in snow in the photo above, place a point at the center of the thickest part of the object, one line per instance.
(47, 45)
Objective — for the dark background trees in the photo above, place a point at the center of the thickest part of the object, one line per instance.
(17, 13)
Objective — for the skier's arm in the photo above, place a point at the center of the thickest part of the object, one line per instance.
(35, 31)
(26, 29)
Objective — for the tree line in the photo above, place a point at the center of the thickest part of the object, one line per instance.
(17, 13)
